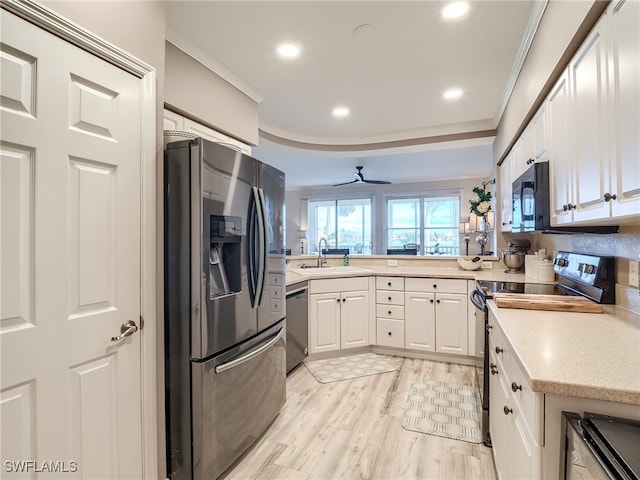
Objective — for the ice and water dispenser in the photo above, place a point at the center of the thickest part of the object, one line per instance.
(225, 233)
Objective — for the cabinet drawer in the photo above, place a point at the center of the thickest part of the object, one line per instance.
(498, 341)
(330, 285)
(390, 297)
(529, 402)
(390, 332)
(390, 311)
(444, 285)
(390, 283)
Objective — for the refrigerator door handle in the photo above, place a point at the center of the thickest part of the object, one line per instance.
(252, 222)
(248, 356)
(262, 245)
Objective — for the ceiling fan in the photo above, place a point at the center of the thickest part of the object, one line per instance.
(359, 178)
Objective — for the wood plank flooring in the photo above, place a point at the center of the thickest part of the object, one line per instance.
(352, 429)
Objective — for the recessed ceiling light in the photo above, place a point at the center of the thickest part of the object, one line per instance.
(288, 50)
(452, 94)
(340, 112)
(454, 10)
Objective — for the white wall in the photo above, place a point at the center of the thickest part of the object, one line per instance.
(378, 193)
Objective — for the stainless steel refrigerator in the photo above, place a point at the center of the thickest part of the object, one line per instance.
(224, 304)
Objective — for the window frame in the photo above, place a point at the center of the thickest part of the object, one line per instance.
(335, 199)
(421, 197)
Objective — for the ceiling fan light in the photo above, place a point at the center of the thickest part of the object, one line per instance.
(340, 112)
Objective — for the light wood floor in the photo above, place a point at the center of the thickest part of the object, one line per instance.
(352, 430)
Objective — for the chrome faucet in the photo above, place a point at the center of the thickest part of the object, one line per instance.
(322, 261)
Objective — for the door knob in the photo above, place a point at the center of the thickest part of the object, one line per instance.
(126, 329)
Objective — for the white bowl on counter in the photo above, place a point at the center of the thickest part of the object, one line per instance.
(466, 263)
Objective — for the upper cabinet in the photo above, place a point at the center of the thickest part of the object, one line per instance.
(506, 179)
(175, 121)
(588, 128)
(624, 98)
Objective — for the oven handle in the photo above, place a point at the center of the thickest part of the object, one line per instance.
(252, 354)
(477, 299)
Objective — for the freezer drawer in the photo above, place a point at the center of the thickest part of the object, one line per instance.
(234, 401)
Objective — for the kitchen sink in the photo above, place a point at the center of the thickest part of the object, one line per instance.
(313, 270)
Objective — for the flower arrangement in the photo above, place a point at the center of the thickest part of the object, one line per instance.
(481, 205)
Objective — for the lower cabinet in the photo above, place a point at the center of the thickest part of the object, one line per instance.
(338, 319)
(516, 413)
(436, 315)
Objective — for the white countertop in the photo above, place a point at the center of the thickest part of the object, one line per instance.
(495, 274)
(587, 355)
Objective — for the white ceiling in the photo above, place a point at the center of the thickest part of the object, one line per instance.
(391, 74)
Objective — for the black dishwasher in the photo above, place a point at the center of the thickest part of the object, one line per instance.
(297, 324)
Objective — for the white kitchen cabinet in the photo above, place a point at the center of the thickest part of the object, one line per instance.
(324, 322)
(177, 122)
(516, 413)
(594, 123)
(588, 90)
(338, 314)
(354, 319)
(624, 98)
(540, 135)
(506, 203)
(420, 325)
(560, 155)
(390, 311)
(436, 315)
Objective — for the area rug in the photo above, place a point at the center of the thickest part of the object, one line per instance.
(353, 366)
(445, 410)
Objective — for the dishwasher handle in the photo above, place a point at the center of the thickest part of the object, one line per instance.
(296, 292)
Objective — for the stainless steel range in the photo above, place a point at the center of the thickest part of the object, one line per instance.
(590, 276)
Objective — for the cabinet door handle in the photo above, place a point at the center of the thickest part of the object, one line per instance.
(515, 387)
(437, 301)
(431, 300)
(488, 328)
(499, 350)
(608, 197)
(338, 300)
(507, 410)
(494, 368)
(344, 299)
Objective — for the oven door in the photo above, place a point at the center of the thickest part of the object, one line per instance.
(478, 299)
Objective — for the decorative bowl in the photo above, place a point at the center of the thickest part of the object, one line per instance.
(466, 263)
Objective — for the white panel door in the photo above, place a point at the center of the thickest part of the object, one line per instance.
(451, 323)
(589, 107)
(324, 322)
(420, 321)
(70, 397)
(354, 319)
(625, 99)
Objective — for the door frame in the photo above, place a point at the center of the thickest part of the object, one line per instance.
(56, 24)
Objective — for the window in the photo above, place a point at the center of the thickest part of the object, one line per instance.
(344, 223)
(428, 223)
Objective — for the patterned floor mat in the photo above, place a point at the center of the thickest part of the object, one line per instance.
(353, 366)
(445, 410)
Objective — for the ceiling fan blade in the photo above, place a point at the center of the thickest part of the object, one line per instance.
(346, 183)
(377, 182)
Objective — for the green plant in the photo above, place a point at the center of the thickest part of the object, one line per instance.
(480, 205)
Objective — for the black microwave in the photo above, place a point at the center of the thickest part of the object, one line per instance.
(531, 205)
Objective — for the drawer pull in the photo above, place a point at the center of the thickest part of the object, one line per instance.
(435, 286)
(389, 334)
(488, 328)
(389, 298)
(389, 312)
(389, 284)
(507, 410)
(494, 368)
(499, 350)
(515, 387)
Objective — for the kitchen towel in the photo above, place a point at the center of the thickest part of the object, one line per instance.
(353, 366)
(444, 410)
